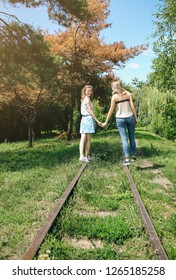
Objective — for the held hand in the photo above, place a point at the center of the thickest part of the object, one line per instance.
(103, 124)
(99, 123)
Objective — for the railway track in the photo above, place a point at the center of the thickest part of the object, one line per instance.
(149, 227)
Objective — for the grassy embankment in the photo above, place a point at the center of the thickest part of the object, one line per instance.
(101, 220)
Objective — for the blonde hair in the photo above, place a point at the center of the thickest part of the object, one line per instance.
(116, 86)
(83, 92)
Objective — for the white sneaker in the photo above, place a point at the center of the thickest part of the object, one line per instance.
(84, 159)
(126, 162)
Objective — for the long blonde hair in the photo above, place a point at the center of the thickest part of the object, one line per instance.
(83, 92)
(117, 86)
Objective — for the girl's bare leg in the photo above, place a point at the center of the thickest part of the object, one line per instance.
(89, 135)
(81, 145)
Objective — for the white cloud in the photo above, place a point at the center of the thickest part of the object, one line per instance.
(133, 65)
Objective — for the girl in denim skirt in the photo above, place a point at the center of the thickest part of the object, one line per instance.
(87, 126)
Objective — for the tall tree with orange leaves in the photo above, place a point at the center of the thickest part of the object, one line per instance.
(84, 52)
(62, 10)
(21, 73)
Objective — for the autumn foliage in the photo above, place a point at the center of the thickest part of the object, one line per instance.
(78, 54)
(84, 52)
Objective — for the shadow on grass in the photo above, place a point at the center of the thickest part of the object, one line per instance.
(154, 151)
(146, 135)
(105, 146)
(106, 133)
(45, 156)
(48, 154)
(153, 146)
(106, 152)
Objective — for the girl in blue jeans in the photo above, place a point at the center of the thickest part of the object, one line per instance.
(126, 119)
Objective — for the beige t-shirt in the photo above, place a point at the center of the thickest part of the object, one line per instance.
(123, 108)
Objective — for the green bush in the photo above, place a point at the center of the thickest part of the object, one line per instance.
(157, 109)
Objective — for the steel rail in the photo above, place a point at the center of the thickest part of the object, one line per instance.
(152, 234)
(31, 251)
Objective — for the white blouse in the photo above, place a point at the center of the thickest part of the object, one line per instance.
(84, 110)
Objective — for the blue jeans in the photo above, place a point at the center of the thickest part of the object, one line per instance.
(126, 127)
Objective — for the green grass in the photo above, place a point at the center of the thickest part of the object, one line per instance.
(159, 198)
(33, 179)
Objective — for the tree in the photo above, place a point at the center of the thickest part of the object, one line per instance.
(164, 65)
(60, 10)
(158, 110)
(85, 54)
(27, 70)
(137, 83)
(12, 125)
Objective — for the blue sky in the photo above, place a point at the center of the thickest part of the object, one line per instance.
(131, 23)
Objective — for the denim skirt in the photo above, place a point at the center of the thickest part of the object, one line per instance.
(87, 124)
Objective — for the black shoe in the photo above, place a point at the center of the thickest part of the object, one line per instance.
(133, 158)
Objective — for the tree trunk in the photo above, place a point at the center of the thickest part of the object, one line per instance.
(30, 134)
(78, 106)
(70, 124)
(78, 125)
